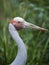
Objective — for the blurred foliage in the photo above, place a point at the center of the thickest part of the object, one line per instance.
(37, 42)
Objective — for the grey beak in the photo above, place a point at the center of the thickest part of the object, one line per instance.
(32, 26)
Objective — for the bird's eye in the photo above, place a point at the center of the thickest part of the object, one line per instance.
(19, 22)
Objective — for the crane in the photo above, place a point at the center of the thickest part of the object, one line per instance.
(16, 24)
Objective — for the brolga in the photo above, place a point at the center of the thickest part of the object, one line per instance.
(16, 24)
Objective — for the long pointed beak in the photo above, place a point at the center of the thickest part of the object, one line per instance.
(32, 26)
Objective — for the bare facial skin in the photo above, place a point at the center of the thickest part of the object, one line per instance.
(20, 24)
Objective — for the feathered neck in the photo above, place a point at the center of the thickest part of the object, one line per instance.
(22, 52)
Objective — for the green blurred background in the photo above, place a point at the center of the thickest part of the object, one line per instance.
(37, 42)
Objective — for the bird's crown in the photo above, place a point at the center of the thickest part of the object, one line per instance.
(18, 19)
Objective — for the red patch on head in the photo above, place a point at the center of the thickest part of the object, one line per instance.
(12, 21)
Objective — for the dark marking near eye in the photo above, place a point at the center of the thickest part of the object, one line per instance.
(19, 22)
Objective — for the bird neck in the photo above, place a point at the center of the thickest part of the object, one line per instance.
(22, 53)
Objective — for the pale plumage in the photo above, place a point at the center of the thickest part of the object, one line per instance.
(16, 24)
(22, 53)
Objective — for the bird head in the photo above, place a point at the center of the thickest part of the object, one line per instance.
(20, 23)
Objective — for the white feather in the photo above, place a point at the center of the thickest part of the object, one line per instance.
(22, 52)
(18, 19)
